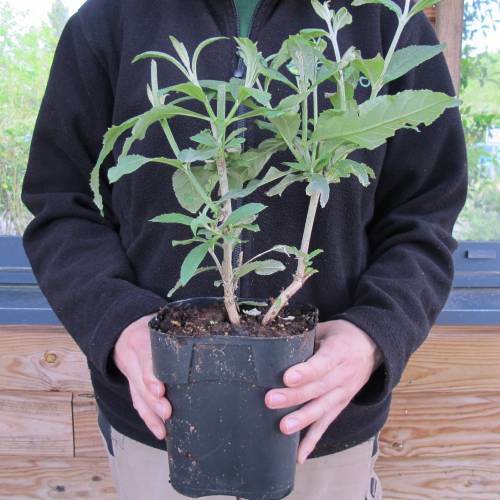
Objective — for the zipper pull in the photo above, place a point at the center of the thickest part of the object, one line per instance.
(238, 72)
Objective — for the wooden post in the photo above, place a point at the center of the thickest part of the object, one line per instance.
(449, 27)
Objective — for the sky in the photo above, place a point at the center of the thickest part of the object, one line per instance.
(38, 10)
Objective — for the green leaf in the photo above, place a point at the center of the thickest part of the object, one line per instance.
(319, 185)
(191, 155)
(206, 138)
(200, 48)
(408, 58)
(322, 10)
(288, 180)
(261, 267)
(361, 170)
(388, 3)
(198, 271)
(313, 32)
(108, 142)
(188, 88)
(261, 96)
(304, 58)
(186, 193)
(243, 213)
(131, 163)
(421, 5)
(341, 18)
(154, 115)
(162, 55)
(180, 48)
(371, 68)
(173, 218)
(380, 118)
(288, 125)
(192, 261)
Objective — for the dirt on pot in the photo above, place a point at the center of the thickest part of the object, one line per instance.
(212, 320)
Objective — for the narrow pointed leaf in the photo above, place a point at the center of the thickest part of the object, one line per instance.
(242, 214)
(408, 58)
(173, 218)
(108, 142)
(161, 55)
(192, 261)
(131, 163)
(198, 271)
(180, 48)
(261, 267)
(200, 48)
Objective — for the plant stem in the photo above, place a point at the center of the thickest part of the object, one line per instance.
(301, 275)
(401, 24)
(341, 83)
(227, 264)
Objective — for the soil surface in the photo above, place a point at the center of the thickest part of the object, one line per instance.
(212, 320)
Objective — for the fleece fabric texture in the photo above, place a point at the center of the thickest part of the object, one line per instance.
(387, 262)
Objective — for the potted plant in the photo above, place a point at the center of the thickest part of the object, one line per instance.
(220, 355)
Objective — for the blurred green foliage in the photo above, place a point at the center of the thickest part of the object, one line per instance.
(480, 93)
(26, 54)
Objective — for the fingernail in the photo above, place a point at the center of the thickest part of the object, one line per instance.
(277, 399)
(294, 377)
(291, 424)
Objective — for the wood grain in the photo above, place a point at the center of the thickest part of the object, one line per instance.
(44, 478)
(88, 441)
(41, 357)
(462, 359)
(442, 425)
(468, 478)
(36, 423)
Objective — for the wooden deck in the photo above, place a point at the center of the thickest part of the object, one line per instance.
(442, 439)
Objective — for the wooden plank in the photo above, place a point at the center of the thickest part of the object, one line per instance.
(88, 440)
(449, 26)
(458, 359)
(36, 423)
(442, 425)
(41, 357)
(468, 478)
(43, 478)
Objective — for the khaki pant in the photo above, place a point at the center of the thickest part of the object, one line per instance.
(140, 472)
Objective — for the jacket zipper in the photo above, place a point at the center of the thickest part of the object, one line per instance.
(238, 73)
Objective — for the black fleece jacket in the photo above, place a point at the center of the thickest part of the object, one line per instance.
(387, 262)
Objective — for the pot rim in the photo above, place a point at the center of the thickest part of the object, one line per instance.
(226, 337)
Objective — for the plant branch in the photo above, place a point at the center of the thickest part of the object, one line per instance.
(301, 275)
(401, 24)
(227, 264)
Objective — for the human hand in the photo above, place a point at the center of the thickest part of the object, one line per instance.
(132, 356)
(342, 364)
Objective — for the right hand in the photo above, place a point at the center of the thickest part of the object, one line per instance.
(132, 356)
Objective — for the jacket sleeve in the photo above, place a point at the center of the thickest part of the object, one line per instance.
(76, 255)
(420, 192)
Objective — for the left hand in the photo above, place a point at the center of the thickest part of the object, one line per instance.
(342, 364)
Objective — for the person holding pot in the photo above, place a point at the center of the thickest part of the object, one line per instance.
(386, 277)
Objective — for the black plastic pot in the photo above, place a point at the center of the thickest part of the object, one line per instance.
(221, 438)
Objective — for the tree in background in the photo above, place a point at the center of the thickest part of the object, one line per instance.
(479, 90)
(26, 54)
(58, 16)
